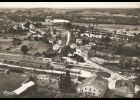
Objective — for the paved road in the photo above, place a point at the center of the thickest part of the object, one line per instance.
(112, 79)
(68, 37)
(93, 66)
(99, 67)
(114, 76)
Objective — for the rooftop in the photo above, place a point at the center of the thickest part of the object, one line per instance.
(60, 21)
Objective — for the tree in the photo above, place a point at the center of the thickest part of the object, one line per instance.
(91, 53)
(54, 31)
(136, 29)
(125, 62)
(45, 39)
(24, 49)
(106, 39)
(65, 83)
(27, 25)
(130, 51)
(127, 51)
(36, 38)
(59, 36)
(37, 54)
(29, 38)
(16, 41)
(62, 84)
(44, 54)
(85, 40)
(38, 25)
(68, 26)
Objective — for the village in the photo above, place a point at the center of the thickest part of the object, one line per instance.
(61, 58)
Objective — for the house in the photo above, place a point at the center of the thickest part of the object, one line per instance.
(47, 22)
(91, 53)
(37, 35)
(56, 47)
(58, 60)
(78, 58)
(94, 86)
(67, 50)
(78, 41)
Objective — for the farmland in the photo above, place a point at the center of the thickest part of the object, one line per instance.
(111, 26)
(10, 82)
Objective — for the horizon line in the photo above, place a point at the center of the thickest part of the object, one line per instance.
(69, 5)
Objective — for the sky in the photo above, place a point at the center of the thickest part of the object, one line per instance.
(70, 4)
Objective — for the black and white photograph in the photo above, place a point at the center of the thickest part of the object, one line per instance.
(69, 49)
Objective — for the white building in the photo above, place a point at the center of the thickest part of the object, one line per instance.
(47, 22)
(56, 21)
(60, 21)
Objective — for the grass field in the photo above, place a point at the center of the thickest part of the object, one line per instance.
(34, 46)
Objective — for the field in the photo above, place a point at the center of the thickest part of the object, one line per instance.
(5, 45)
(10, 82)
(112, 26)
(34, 46)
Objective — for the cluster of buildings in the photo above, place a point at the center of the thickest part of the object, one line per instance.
(94, 33)
(97, 86)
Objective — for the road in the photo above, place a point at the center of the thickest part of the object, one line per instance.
(68, 37)
(92, 67)
(114, 76)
